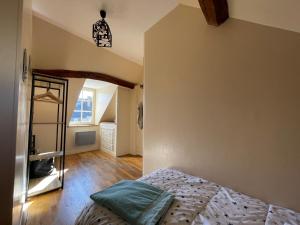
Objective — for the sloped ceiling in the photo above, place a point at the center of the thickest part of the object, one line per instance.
(96, 84)
(129, 19)
(284, 14)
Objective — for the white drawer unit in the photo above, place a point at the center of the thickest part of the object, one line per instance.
(108, 137)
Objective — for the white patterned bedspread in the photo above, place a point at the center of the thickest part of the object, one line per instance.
(198, 201)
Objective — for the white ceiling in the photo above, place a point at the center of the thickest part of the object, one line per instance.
(284, 14)
(96, 84)
(129, 19)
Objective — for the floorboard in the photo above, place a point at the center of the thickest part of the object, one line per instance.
(86, 173)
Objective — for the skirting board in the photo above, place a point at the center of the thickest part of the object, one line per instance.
(77, 151)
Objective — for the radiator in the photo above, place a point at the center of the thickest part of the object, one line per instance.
(85, 138)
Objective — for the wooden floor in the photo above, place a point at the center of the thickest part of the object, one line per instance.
(86, 173)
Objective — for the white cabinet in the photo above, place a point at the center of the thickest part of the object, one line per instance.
(108, 133)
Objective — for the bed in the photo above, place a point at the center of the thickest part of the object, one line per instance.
(198, 201)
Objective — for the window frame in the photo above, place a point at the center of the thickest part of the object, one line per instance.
(82, 123)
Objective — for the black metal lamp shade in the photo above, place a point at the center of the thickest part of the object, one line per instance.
(101, 32)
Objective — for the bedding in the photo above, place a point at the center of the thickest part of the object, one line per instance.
(198, 202)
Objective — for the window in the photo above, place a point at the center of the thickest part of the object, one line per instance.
(84, 109)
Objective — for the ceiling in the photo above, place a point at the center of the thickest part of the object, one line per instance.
(129, 19)
(96, 84)
(284, 14)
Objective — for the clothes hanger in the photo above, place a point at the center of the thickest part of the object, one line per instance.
(45, 97)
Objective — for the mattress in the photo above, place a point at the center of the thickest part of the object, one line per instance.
(198, 201)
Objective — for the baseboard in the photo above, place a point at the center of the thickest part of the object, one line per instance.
(77, 151)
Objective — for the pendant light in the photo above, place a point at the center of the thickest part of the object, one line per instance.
(101, 32)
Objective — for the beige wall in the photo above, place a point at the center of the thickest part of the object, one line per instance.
(137, 139)
(223, 103)
(15, 23)
(54, 48)
(24, 90)
(140, 132)
(110, 105)
(124, 122)
(9, 18)
(45, 112)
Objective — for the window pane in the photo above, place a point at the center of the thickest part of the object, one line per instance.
(86, 116)
(87, 95)
(83, 111)
(76, 117)
(87, 106)
(80, 98)
(78, 105)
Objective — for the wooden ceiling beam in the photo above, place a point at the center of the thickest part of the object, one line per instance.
(215, 11)
(85, 75)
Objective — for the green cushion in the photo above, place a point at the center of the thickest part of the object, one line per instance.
(136, 202)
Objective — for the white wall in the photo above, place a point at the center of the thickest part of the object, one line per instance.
(103, 98)
(110, 113)
(223, 103)
(70, 144)
(123, 110)
(75, 87)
